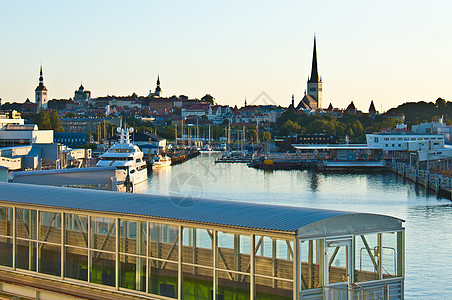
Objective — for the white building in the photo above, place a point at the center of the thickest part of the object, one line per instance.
(434, 128)
(404, 141)
(19, 135)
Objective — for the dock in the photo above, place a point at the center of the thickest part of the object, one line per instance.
(438, 183)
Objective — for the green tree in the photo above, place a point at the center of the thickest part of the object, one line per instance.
(70, 115)
(44, 121)
(289, 127)
(55, 122)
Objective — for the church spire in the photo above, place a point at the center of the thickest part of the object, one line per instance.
(158, 90)
(314, 69)
(41, 78)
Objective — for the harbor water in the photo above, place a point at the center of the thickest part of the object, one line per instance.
(428, 217)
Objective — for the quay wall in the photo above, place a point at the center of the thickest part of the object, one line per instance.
(438, 183)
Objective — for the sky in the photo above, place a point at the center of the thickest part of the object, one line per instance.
(387, 51)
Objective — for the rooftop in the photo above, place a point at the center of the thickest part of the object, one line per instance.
(284, 219)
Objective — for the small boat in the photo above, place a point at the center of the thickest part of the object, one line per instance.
(160, 161)
(235, 157)
(126, 157)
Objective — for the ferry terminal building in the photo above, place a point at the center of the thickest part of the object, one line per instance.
(61, 243)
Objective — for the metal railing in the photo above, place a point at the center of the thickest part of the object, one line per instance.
(356, 292)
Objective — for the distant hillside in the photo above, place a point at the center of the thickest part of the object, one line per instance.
(416, 112)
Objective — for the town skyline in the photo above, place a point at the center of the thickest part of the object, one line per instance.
(392, 60)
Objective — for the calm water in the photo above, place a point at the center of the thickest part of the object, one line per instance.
(428, 218)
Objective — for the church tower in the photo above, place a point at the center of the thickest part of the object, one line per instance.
(41, 93)
(158, 90)
(315, 82)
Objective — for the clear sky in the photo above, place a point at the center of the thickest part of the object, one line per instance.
(387, 51)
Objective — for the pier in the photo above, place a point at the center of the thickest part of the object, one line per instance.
(438, 183)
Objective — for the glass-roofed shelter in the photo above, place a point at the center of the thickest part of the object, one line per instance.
(117, 245)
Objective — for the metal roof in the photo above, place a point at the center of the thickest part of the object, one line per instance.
(62, 171)
(201, 211)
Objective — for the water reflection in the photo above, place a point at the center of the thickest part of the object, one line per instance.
(428, 217)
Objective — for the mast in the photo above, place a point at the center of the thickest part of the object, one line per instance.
(209, 137)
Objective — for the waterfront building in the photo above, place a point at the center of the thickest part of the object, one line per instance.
(404, 141)
(41, 93)
(104, 245)
(284, 143)
(71, 139)
(314, 94)
(434, 128)
(10, 117)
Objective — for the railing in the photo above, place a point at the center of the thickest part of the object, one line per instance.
(356, 292)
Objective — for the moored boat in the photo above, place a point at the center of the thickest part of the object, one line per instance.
(126, 157)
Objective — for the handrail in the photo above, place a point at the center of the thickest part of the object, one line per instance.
(356, 291)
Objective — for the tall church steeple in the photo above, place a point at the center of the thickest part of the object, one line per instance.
(158, 90)
(41, 93)
(314, 69)
(315, 82)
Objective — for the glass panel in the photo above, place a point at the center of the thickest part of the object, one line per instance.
(76, 230)
(163, 278)
(230, 255)
(50, 227)
(164, 241)
(232, 286)
(311, 256)
(26, 255)
(103, 268)
(367, 257)
(6, 221)
(132, 237)
(26, 223)
(6, 251)
(76, 264)
(273, 257)
(197, 246)
(391, 254)
(337, 265)
(198, 283)
(104, 234)
(50, 259)
(270, 289)
(133, 272)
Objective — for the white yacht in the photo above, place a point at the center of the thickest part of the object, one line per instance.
(126, 157)
(160, 161)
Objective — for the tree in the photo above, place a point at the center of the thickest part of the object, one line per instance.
(43, 121)
(55, 122)
(289, 127)
(209, 98)
(70, 115)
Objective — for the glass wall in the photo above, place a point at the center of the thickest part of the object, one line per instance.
(378, 256)
(149, 257)
(6, 234)
(273, 268)
(311, 260)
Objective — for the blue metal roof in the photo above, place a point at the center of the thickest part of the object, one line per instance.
(60, 171)
(204, 211)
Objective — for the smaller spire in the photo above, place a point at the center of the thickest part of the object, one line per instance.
(245, 101)
(158, 79)
(293, 100)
